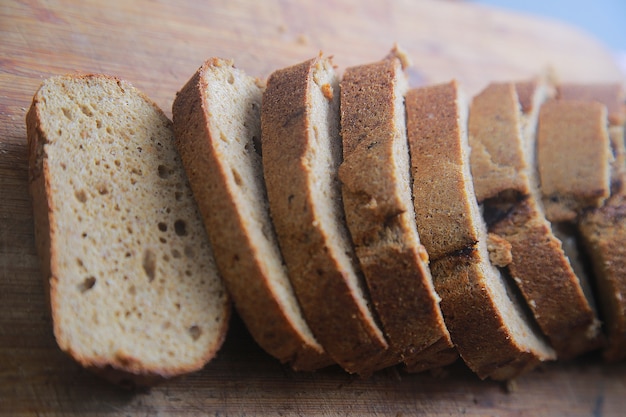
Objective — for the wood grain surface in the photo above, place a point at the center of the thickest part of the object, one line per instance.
(157, 45)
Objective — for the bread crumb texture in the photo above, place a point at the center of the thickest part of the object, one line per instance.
(133, 279)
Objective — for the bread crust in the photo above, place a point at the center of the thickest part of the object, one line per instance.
(334, 308)
(237, 254)
(122, 368)
(381, 218)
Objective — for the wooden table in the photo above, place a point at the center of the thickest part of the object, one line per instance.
(157, 45)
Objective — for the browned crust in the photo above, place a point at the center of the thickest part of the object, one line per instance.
(237, 258)
(494, 127)
(351, 338)
(603, 232)
(610, 94)
(128, 372)
(445, 226)
(476, 325)
(393, 263)
(545, 277)
(572, 180)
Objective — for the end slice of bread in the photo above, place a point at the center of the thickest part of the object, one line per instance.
(134, 292)
(217, 121)
(487, 321)
(375, 174)
(301, 155)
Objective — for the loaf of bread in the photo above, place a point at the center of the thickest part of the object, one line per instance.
(539, 265)
(356, 222)
(133, 288)
(217, 121)
(301, 155)
(503, 341)
(379, 210)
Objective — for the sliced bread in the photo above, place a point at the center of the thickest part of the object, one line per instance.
(217, 122)
(301, 155)
(573, 157)
(603, 229)
(488, 323)
(134, 292)
(538, 265)
(376, 191)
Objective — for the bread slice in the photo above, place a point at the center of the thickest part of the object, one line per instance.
(134, 292)
(539, 265)
(301, 155)
(217, 121)
(488, 324)
(376, 191)
(572, 180)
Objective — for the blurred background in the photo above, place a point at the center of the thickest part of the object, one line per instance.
(604, 19)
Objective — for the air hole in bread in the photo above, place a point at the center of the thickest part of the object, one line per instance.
(237, 177)
(87, 284)
(81, 195)
(149, 264)
(117, 163)
(103, 189)
(79, 262)
(223, 137)
(162, 227)
(67, 113)
(231, 79)
(166, 257)
(176, 254)
(109, 130)
(178, 195)
(195, 332)
(180, 227)
(99, 123)
(86, 110)
(132, 290)
(164, 172)
(189, 253)
(63, 166)
(162, 240)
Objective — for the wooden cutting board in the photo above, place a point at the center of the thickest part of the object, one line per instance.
(157, 45)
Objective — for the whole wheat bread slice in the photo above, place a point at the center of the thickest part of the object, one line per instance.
(376, 190)
(539, 265)
(217, 121)
(488, 324)
(134, 292)
(301, 155)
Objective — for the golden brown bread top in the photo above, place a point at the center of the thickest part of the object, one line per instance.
(497, 156)
(437, 163)
(573, 157)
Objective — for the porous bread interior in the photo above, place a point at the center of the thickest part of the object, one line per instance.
(238, 96)
(515, 318)
(323, 157)
(133, 272)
